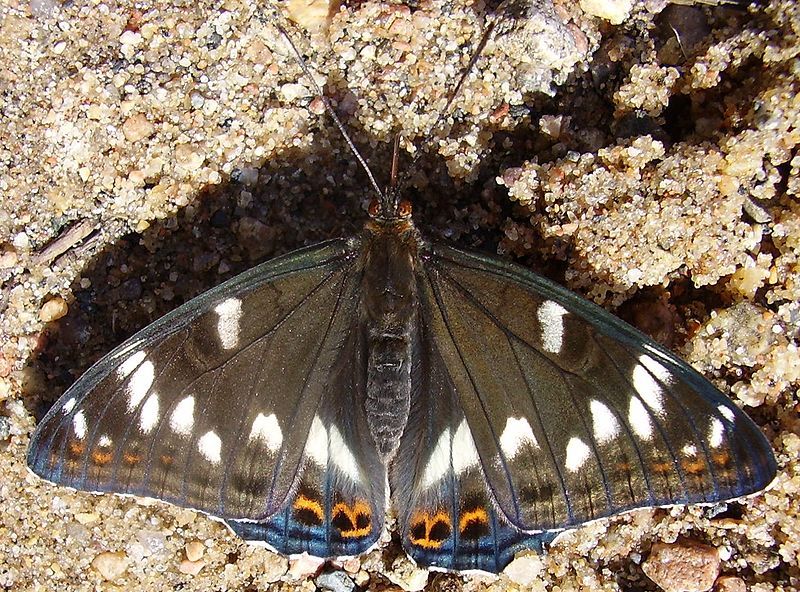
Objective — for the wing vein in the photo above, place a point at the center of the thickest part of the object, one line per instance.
(440, 306)
(653, 418)
(469, 297)
(548, 443)
(690, 420)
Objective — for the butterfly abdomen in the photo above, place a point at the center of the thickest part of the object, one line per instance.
(389, 301)
(388, 391)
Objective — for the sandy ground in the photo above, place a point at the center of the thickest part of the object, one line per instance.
(147, 155)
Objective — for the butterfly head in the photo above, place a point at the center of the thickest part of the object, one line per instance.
(390, 209)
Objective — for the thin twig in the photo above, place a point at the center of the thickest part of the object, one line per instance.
(64, 242)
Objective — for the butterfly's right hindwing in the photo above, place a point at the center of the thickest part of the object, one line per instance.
(229, 404)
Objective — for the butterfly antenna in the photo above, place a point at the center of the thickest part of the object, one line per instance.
(331, 111)
(454, 92)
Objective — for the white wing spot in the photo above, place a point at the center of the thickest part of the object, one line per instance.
(715, 433)
(149, 417)
(266, 429)
(79, 425)
(726, 412)
(69, 405)
(605, 425)
(182, 419)
(104, 441)
(689, 450)
(577, 454)
(140, 383)
(230, 314)
(647, 386)
(439, 460)
(130, 364)
(342, 457)
(466, 455)
(639, 419)
(656, 369)
(317, 443)
(516, 434)
(551, 320)
(210, 446)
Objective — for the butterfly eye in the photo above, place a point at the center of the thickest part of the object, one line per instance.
(374, 208)
(404, 209)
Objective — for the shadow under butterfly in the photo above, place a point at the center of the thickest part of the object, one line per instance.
(484, 406)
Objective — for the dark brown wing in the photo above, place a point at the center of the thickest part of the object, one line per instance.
(218, 405)
(568, 415)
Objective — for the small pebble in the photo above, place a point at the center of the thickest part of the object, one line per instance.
(21, 241)
(291, 91)
(351, 565)
(188, 157)
(275, 566)
(304, 566)
(152, 541)
(194, 550)
(551, 125)
(137, 127)
(310, 14)
(525, 569)
(43, 9)
(614, 11)
(730, 584)
(87, 517)
(8, 258)
(361, 578)
(408, 576)
(110, 565)
(682, 567)
(317, 106)
(53, 309)
(335, 581)
(5, 428)
(191, 568)
(78, 532)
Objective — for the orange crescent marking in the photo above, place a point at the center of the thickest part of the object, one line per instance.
(304, 503)
(721, 458)
(623, 467)
(359, 508)
(101, 457)
(662, 467)
(429, 522)
(693, 467)
(76, 447)
(131, 458)
(474, 515)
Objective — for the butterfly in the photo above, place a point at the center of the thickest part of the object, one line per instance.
(310, 399)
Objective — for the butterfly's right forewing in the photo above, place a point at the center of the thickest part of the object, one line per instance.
(221, 405)
(577, 415)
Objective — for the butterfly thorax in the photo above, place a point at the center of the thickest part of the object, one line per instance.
(387, 310)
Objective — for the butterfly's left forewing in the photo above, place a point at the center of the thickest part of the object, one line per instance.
(556, 413)
(228, 405)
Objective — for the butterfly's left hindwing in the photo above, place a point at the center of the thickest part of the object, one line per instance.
(554, 413)
(338, 506)
(229, 405)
